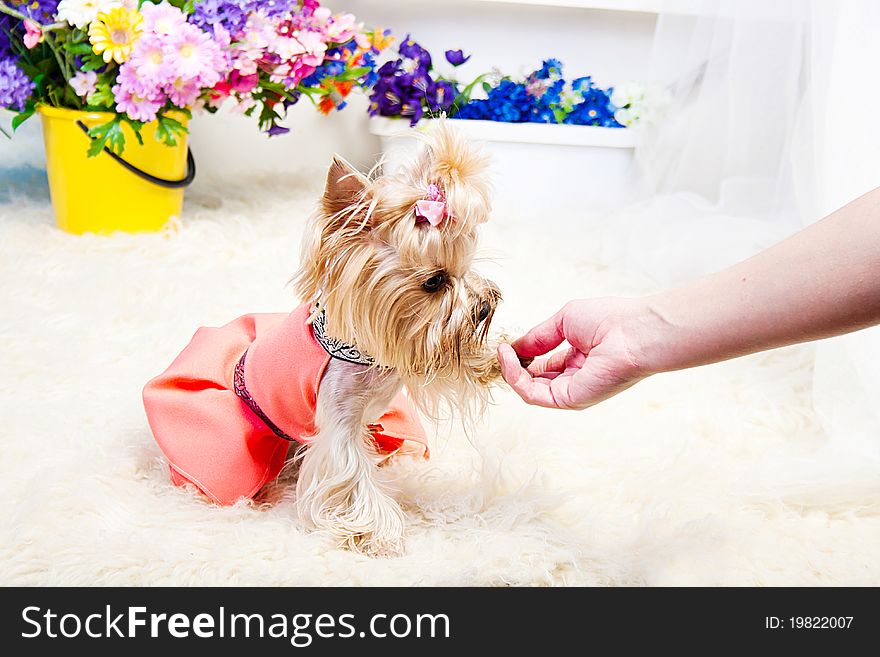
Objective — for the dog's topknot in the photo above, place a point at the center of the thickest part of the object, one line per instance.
(460, 168)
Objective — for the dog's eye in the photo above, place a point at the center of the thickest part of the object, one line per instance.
(435, 282)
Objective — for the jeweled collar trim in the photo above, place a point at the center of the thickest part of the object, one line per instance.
(337, 348)
(240, 388)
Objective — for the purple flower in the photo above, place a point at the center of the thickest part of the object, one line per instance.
(440, 96)
(4, 37)
(231, 14)
(15, 86)
(42, 11)
(456, 57)
(409, 49)
(276, 130)
(405, 87)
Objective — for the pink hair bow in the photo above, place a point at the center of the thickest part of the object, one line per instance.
(432, 209)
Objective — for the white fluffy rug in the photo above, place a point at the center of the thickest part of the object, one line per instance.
(719, 475)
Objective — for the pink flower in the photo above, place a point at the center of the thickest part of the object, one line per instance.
(292, 72)
(243, 104)
(83, 83)
(363, 41)
(32, 34)
(149, 60)
(341, 29)
(314, 45)
(303, 44)
(243, 83)
(130, 79)
(162, 19)
(322, 15)
(183, 93)
(192, 54)
(139, 108)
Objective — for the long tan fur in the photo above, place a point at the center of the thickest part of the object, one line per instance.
(366, 263)
(365, 260)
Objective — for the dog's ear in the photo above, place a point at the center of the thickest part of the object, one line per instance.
(346, 187)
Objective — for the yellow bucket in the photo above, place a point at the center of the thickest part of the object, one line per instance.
(139, 191)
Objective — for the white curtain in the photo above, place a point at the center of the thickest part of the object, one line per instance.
(771, 123)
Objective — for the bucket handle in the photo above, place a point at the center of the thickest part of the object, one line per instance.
(162, 182)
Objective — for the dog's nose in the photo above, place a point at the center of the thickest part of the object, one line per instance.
(485, 309)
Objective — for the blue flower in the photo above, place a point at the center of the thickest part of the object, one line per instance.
(595, 109)
(509, 102)
(543, 111)
(551, 68)
(371, 76)
(582, 84)
(331, 68)
(477, 110)
(456, 57)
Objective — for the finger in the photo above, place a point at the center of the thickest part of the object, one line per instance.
(533, 391)
(553, 364)
(542, 338)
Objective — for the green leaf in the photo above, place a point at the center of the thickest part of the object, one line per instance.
(268, 116)
(78, 48)
(487, 87)
(353, 73)
(101, 97)
(107, 135)
(136, 129)
(186, 6)
(92, 62)
(168, 130)
(21, 117)
(559, 114)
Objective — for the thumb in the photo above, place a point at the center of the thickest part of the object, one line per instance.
(544, 337)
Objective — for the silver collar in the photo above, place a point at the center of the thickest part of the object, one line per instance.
(337, 348)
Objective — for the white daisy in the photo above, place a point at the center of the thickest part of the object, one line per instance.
(80, 13)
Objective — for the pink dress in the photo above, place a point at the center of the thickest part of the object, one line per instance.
(225, 411)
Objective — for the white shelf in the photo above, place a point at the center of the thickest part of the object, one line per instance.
(692, 7)
(521, 133)
(637, 6)
(642, 6)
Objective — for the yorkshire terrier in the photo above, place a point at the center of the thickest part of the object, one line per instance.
(391, 303)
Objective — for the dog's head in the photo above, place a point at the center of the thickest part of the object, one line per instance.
(389, 261)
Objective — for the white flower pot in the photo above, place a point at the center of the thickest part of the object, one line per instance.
(537, 167)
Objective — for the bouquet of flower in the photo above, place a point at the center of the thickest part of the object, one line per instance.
(408, 87)
(545, 96)
(144, 60)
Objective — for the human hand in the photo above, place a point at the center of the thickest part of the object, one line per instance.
(604, 356)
